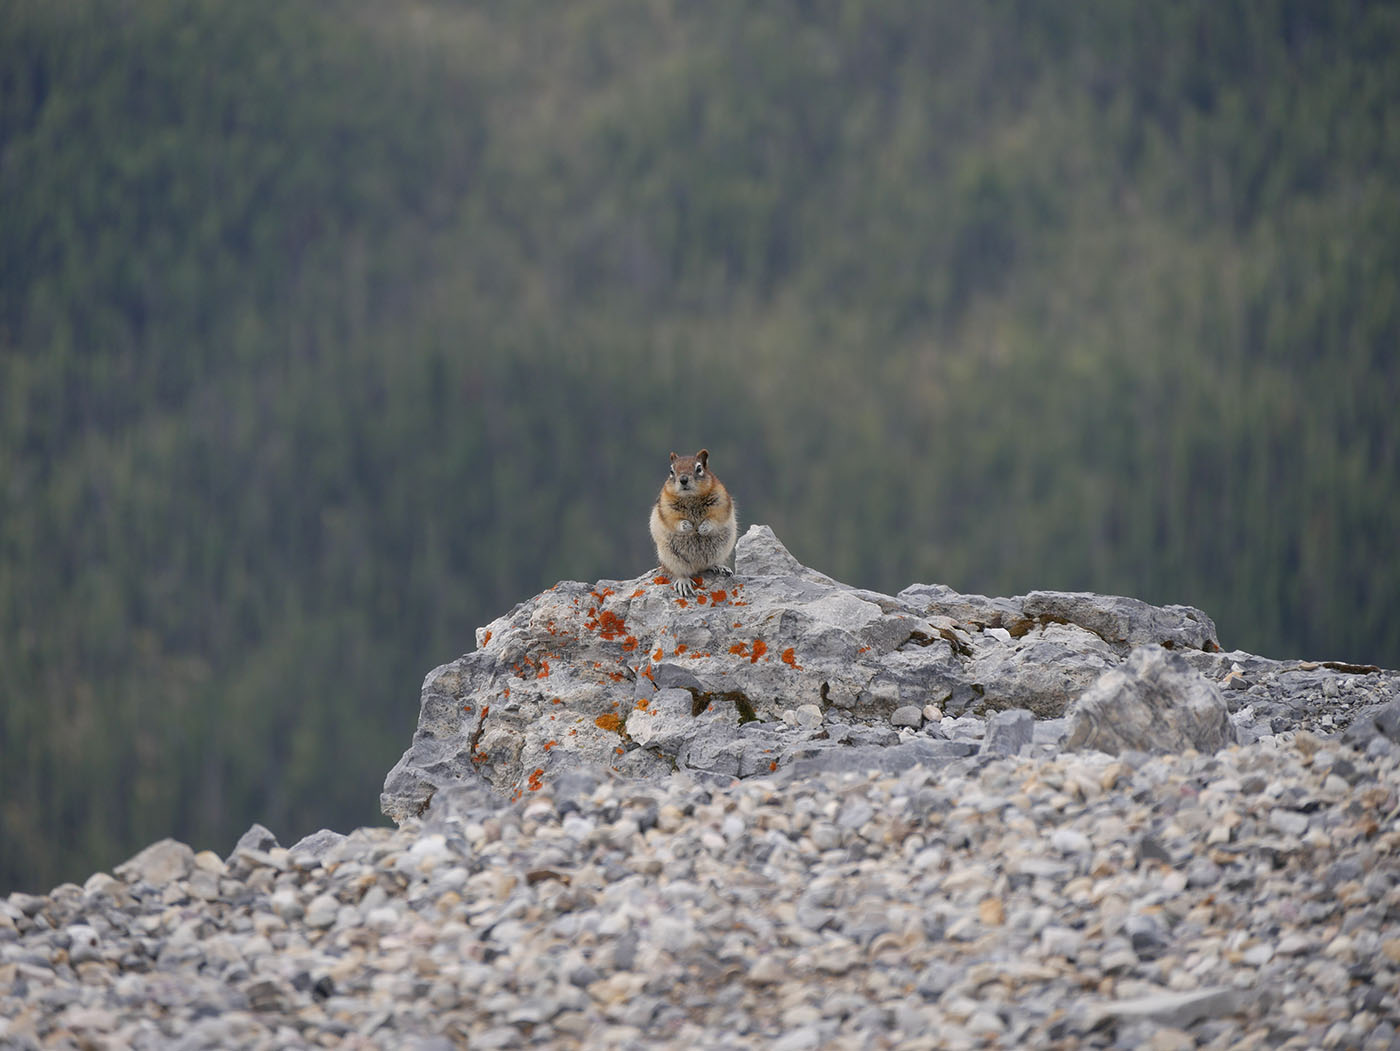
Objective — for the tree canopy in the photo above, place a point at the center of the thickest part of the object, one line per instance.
(329, 332)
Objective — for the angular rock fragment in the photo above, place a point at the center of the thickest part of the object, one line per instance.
(1154, 703)
(158, 864)
(1009, 732)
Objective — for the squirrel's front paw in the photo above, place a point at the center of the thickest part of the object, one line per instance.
(725, 570)
(706, 527)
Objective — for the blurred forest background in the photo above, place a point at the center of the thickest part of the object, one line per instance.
(330, 331)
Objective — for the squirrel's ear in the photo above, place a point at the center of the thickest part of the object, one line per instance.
(704, 457)
(674, 457)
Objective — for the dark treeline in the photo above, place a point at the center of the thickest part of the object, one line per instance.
(329, 332)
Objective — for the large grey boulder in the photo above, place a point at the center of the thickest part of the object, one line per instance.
(781, 668)
(1155, 702)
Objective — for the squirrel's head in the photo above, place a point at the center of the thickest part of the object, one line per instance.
(689, 473)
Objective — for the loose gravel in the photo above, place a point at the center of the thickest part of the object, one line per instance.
(1248, 899)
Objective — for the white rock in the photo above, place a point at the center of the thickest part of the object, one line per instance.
(1070, 841)
(321, 910)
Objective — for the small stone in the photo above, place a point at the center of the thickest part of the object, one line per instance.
(1335, 787)
(383, 918)
(101, 883)
(802, 1038)
(1341, 947)
(856, 814)
(27, 904)
(1258, 955)
(907, 715)
(321, 911)
(985, 1024)
(1172, 1039)
(311, 849)
(1112, 774)
(1070, 841)
(1202, 872)
(256, 838)
(767, 971)
(1294, 945)
(1008, 732)
(991, 912)
(1176, 1008)
(205, 885)
(1289, 822)
(159, 864)
(1061, 941)
(83, 944)
(286, 903)
(208, 861)
(1149, 938)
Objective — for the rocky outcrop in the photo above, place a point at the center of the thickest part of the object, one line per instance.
(782, 670)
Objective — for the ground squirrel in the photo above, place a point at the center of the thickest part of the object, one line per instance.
(693, 521)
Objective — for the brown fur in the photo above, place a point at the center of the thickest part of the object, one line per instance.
(693, 521)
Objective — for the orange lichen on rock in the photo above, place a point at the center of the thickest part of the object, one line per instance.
(658, 654)
(790, 658)
(740, 649)
(608, 721)
(661, 580)
(537, 779)
(528, 664)
(717, 597)
(549, 744)
(638, 593)
(486, 639)
(643, 703)
(772, 766)
(629, 644)
(681, 647)
(759, 649)
(608, 625)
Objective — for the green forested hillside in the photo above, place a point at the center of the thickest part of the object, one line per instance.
(328, 332)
